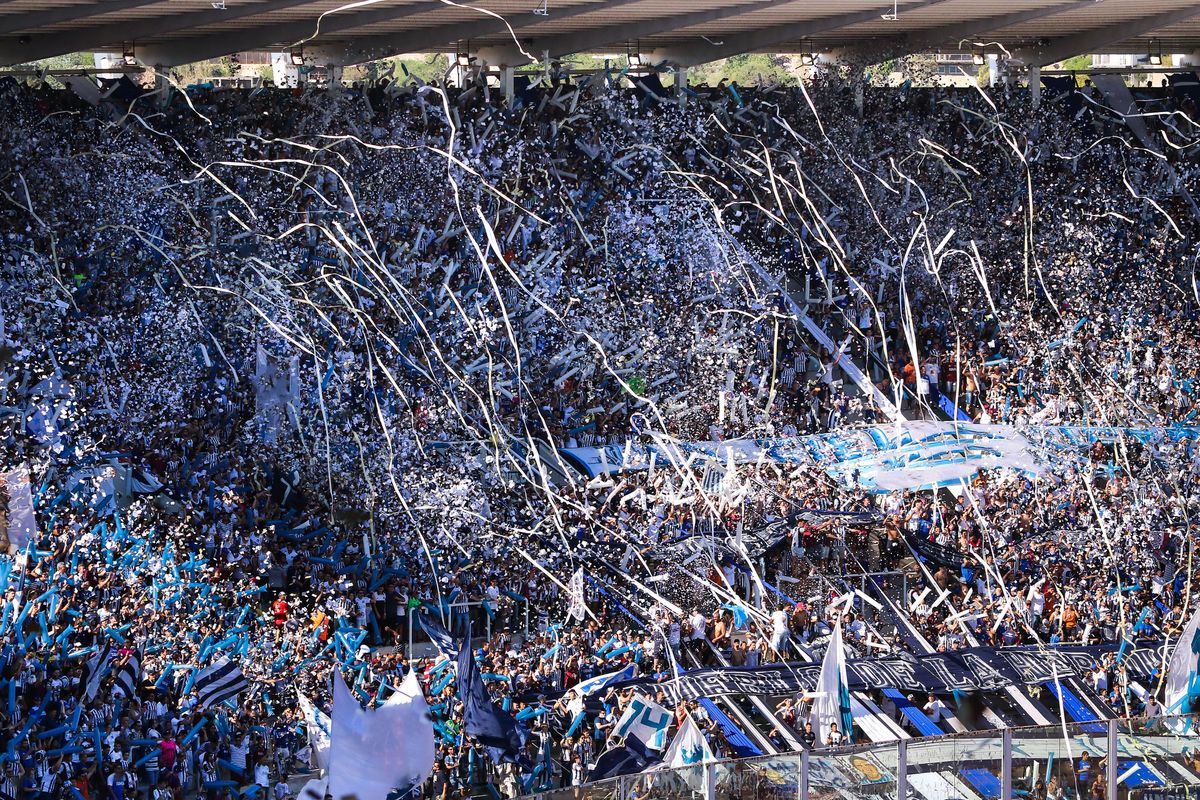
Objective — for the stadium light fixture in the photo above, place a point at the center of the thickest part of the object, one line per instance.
(1156, 52)
(977, 58)
(297, 58)
(128, 56)
(635, 60)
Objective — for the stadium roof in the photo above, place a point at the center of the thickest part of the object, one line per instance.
(171, 32)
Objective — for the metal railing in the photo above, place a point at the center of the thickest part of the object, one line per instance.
(1157, 754)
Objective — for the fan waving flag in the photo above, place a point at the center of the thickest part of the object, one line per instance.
(219, 682)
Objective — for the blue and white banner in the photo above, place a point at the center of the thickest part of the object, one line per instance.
(910, 455)
(689, 747)
(591, 685)
(831, 699)
(646, 721)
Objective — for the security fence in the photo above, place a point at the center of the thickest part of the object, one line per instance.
(1153, 759)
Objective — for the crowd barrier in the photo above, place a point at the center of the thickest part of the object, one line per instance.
(1157, 758)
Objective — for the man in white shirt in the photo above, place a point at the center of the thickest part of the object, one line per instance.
(779, 631)
(936, 710)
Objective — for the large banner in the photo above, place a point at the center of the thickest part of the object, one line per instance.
(882, 458)
(977, 668)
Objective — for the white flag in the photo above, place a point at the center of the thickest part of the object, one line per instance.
(689, 747)
(578, 608)
(374, 752)
(417, 724)
(1183, 682)
(831, 703)
(646, 721)
(317, 723)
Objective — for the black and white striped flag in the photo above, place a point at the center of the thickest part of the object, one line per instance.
(219, 682)
(97, 668)
(129, 676)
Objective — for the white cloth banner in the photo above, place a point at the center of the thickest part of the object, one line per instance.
(374, 752)
(417, 724)
(689, 747)
(317, 723)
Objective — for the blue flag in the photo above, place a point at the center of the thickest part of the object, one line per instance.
(499, 732)
(624, 759)
(438, 634)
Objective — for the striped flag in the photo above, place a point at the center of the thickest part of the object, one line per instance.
(97, 668)
(219, 682)
(129, 676)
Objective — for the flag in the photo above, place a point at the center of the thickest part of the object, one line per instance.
(496, 730)
(831, 703)
(97, 668)
(578, 608)
(129, 675)
(689, 747)
(1182, 693)
(646, 721)
(438, 635)
(317, 723)
(219, 682)
(413, 717)
(584, 688)
(626, 759)
(374, 752)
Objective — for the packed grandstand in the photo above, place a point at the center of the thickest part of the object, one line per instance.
(620, 428)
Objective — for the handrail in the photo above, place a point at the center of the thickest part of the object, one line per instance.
(872, 767)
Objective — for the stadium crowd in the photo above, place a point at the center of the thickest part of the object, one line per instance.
(278, 363)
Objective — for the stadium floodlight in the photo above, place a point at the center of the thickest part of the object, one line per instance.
(977, 58)
(128, 56)
(635, 60)
(297, 58)
(464, 58)
(1156, 52)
